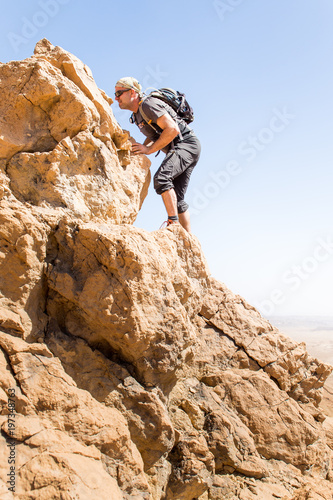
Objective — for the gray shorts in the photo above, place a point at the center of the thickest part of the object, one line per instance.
(176, 168)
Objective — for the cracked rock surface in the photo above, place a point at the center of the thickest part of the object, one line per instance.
(127, 371)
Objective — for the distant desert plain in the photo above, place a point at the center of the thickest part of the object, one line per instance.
(317, 333)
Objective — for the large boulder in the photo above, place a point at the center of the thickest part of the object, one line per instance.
(60, 145)
(127, 371)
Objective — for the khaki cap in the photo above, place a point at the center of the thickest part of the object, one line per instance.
(128, 82)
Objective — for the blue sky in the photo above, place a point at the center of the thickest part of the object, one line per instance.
(259, 76)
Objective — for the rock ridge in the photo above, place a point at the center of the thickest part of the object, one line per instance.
(127, 370)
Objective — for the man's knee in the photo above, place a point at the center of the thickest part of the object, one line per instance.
(161, 185)
(182, 206)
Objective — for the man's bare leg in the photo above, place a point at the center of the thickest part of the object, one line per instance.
(184, 219)
(170, 201)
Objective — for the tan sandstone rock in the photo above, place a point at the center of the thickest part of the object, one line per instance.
(126, 370)
(134, 291)
(59, 140)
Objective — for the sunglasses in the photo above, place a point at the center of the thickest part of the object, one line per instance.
(120, 92)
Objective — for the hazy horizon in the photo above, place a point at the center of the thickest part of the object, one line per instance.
(316, 332)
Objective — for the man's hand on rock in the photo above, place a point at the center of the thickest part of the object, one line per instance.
(140, 149)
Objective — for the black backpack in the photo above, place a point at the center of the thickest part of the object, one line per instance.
(176, 100)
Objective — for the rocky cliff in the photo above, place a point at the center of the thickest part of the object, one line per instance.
(127, 371)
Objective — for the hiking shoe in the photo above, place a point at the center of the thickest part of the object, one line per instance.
(169, 222)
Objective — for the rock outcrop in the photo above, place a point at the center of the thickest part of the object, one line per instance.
(127, 371)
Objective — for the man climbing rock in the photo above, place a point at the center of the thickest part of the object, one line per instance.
(165, 131)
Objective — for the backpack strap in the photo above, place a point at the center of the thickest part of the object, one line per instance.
(145, 117)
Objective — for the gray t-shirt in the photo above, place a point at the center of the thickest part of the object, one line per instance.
(154, 108)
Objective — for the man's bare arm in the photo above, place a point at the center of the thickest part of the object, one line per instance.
(170, 130)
